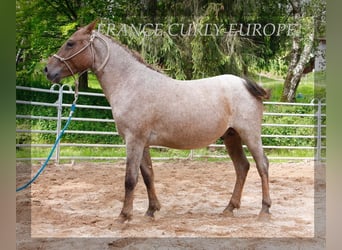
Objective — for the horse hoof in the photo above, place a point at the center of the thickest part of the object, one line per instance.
(122, 219)
(228, 213)
(150, 213)
(148, 218)
(264, 217)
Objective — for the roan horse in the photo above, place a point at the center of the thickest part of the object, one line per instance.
(150, 108)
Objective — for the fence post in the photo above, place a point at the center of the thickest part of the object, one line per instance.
(59, 103)
(319, 129)
(191, 154)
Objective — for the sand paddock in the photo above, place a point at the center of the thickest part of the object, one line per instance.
(74, 205)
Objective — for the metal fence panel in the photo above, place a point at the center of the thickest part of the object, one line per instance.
(316, 130)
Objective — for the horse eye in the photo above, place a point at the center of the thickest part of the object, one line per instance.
(70, 44)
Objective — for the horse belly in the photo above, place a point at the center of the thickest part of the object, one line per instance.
(189, 134)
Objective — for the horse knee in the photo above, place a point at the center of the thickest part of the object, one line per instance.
(242, 169)
(130, 182)
(263, 168)
(245, 166)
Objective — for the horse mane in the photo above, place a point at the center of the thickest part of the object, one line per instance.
(256, 90)
(135, 54)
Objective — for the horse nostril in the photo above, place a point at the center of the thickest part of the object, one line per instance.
(45, 69)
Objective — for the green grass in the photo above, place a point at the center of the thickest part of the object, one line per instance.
(311, 86)
(35, 152)
(219, 154)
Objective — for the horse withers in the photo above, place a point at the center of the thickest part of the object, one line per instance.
(151, 108)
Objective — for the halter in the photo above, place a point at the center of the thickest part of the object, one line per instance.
(91, 44)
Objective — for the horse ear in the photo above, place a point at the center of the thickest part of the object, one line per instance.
(89, 28)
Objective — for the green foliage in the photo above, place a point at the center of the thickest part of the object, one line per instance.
(42, 26)
(68, 28)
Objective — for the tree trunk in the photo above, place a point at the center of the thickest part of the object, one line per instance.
(296, 69)
(299, 57)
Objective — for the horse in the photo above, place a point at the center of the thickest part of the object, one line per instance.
(152, 109)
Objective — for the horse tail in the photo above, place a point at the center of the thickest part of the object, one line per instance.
(256, 90)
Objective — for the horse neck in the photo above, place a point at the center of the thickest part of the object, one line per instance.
(121, 68)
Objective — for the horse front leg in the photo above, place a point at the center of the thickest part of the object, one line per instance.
(134, 152)
(148, 176)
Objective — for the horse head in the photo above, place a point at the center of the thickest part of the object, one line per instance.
(74, 56)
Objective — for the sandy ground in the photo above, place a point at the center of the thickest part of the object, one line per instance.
(74, 207)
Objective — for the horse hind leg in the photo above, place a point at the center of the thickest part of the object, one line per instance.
(148, 176)
(254, 145)
(233, 143)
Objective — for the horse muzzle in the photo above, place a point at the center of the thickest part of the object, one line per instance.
(52, 75)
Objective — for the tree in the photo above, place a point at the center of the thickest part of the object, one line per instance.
(305, 14)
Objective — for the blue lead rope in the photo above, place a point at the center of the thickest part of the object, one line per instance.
(73, 107)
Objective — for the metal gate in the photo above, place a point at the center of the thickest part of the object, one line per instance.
(312, 122)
